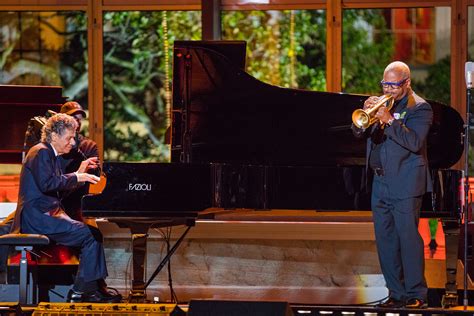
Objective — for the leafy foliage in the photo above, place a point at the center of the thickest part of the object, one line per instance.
(136, 62)
(26, 57)
(276, 49)
(437, 85)
(73, 61)
(367, 48)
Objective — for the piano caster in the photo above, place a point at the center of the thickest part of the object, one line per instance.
(449, 300)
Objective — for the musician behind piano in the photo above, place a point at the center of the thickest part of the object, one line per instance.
(39, 209)
(397, 158)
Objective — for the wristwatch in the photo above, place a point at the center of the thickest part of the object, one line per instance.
(390, 121)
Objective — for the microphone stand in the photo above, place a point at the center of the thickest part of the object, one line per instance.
(466, 191)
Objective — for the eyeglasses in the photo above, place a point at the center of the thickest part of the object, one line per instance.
(392, 85)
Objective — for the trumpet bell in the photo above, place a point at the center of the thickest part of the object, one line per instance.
(364, 118)
(361, 119)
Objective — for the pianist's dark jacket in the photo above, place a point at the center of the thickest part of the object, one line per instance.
(41, 184)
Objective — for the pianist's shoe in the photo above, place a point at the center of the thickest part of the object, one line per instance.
(97, 296)
(74, 296)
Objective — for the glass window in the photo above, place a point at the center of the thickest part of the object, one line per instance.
(284, 48)
(137, 80)
(420, 37)
(45, 48)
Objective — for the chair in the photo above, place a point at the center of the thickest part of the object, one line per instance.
(24, 243)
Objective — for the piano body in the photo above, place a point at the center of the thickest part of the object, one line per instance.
(237, 142)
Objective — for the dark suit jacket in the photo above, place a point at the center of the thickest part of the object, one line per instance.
(404, 153)
(41, 184)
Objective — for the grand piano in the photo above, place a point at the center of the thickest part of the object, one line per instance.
(237, 142)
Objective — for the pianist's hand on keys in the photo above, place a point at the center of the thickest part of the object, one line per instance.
(81, 173)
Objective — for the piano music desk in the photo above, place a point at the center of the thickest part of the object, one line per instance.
(296, 256)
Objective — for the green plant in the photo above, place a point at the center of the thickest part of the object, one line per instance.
(367, 48)
(437, 84)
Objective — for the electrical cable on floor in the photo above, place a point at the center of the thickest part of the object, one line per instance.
(167, 238)
(170, 279)
(174, 298)
(369, 303)
(163, 236)
(128, 274)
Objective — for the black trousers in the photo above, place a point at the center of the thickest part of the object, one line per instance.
(399, 243)
(92, 265)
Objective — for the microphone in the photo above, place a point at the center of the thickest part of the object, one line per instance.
(469, 74)
(51, 112)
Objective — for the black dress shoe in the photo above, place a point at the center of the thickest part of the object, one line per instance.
(416, 303)
(93, 297)
(392, 303)
(101, 297)
(74, 296)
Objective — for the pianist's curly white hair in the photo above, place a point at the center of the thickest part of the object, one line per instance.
(58, 124)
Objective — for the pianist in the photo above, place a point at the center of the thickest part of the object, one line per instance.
(39, 209)
(397, 157)
(83, 149)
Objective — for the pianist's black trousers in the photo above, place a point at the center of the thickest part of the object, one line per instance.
(92, 265)
(399, 244)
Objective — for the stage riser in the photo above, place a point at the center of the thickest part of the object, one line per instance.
(319, 262)
(298, 271)
(298, 262)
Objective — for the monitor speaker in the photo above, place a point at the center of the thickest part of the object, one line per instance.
(238, 308)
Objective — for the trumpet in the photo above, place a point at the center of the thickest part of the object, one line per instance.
(364, 118)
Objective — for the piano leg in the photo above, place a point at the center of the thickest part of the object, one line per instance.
(139, 242)
(451, 230)
(139, 230)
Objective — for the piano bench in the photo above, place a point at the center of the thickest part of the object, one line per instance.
(24, 243)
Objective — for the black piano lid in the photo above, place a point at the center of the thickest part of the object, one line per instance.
(235, 118)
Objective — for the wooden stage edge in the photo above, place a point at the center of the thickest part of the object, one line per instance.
(262, 224)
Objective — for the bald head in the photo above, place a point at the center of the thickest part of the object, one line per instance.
(396, 80)
(399, 68)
